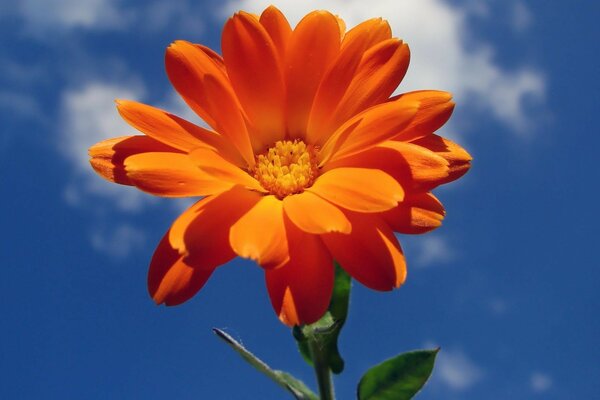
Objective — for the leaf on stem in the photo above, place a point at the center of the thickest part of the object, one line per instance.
(326, 331)
(298, 389)
(398, 378)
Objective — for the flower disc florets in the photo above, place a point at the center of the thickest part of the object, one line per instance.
(286, 168)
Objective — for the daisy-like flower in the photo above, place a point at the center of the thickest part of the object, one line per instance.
(308, 160)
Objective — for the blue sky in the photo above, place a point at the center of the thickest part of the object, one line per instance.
(508, 287)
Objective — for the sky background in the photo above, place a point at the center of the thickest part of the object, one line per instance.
(508, 286)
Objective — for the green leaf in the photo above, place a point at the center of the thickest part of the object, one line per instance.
(398, 378)
(296, 387)
(326, 331)
(302, 342)
(339, 311)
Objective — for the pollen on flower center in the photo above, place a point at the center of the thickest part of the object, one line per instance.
(286, 168)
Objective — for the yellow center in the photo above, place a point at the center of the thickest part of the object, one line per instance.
(286, 168)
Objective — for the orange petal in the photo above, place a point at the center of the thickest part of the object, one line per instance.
(172, 130)
(408, 163)
(371, 253)
(186, 66)
(278, 28)
(341, 26)
(300, 290)
(418, 213)
(337, 79)
(358, 189)
(205, 87)
(381, 69)
(107, 157)
(369, 32)
(220, 169)
(171, 279)
(260, 234)
(171, 175)
(201, 233)
(457, 157)
(231, 124)
(255, 72)
(216, 57)
(313, 46)
(368, 129)
(313, 214)
(435, 108)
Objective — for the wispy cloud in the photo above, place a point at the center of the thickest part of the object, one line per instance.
(521, 17)
(456, 371)
(42, 17)
(22, 74)
(17, 97)
(446, 53)
(20, 105)
(119, 241)
(89, 116)
(429, 250)
(175, 16)
(540, 382)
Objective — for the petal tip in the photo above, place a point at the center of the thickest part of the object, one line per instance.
(120, 103)
(123, 104)
(345, 230)
(156, 296)
(400, 280)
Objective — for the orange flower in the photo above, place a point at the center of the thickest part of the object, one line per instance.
(309, 160)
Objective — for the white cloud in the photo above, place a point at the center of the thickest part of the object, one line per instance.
(176, 16)
(435, 250)
(540, 382)
(426, 251)
(455, 370)
(445, 53)
(89, 116)
(44, 19)
(118, 242)
(43, 16)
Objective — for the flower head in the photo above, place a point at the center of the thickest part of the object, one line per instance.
(308, 159)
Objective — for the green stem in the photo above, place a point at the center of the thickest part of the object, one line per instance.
(321, 370)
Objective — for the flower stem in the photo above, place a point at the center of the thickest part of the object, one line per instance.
(322, 370)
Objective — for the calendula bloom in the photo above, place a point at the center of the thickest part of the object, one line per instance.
(308, 160)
